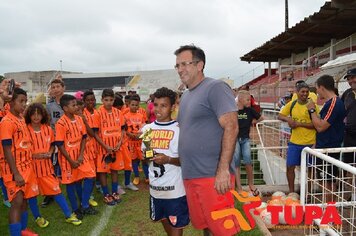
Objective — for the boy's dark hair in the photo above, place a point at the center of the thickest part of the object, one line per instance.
(118, 94)
(80, 103)
(17, 92)
(108, 93)
(165, 92)
(118, 102)
(135, 97)
(57, 81)
(327, 81)
(128, 97)
(87, 93)
(40, 109)
(198, 53)
(65, 100)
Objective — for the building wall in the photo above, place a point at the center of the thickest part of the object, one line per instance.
(342, 47)
(33, 81)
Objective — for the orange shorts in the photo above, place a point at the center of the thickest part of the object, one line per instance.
(203, 200)
(92, 163)
(118, 164)
(85, 170)
(30, 189)
(127, 157)
(101, 166)
(135, 152)
(48, 185)
(68, 175)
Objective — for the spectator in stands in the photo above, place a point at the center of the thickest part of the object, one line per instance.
(349, 99)
(303, 132)
(305, 64)
(330, 127)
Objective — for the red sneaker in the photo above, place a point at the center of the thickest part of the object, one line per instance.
(28, 232)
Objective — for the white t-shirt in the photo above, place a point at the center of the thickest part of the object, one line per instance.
(166, 180)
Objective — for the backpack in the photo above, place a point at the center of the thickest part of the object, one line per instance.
(292, 106)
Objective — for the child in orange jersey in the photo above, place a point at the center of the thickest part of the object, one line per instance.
(118, 103)
(110, 137)
(90, 152)
(71, 138)
(135, 121)
(17, 171)
(42, 139)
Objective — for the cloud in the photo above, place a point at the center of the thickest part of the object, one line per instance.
(117, 35)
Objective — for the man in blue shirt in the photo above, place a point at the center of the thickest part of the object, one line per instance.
(329, 126)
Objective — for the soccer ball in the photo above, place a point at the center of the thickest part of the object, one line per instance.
(276, 202)
(266, 217)
(294, 196)
(278, 195)
(261, 207)
(293, 203)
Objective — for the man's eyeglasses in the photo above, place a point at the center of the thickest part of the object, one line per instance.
(184, 64)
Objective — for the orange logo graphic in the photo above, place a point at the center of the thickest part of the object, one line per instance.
(250, 202)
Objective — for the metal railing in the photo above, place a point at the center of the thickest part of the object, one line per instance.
(323, 176)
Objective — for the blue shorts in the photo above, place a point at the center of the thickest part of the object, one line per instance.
(243, 149)
(174, 210)
(294, 153)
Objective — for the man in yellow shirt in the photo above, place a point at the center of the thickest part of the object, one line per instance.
(296, 114)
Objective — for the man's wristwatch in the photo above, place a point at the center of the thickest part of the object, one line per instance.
(311, 111)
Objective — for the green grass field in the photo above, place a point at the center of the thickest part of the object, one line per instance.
(130, 217)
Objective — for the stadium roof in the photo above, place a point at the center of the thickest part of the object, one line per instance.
(314, 31)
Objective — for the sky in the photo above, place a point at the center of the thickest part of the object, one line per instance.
(116, 36)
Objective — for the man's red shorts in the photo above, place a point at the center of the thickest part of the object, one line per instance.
(203, 199)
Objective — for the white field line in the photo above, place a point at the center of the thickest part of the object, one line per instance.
(101, 225)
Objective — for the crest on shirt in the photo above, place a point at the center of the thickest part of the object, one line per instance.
(173, 220)
(34, 187)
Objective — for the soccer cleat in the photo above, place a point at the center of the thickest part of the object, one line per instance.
(136, 181)
(42, 222)
(93, 203)
(116, 197)
(73, 219)
(7, 203)
(120, 190)
(28, 232)
(89, 211)
(79, 214)
(131, 187)
(108, 199)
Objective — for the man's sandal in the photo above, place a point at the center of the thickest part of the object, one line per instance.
(255, 192)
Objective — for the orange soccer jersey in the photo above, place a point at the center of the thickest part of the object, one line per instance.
(5, 110)
(42, 141)
(91, 148)
(13, 131)
(110, 134)
(135, 121)
(70, 133)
